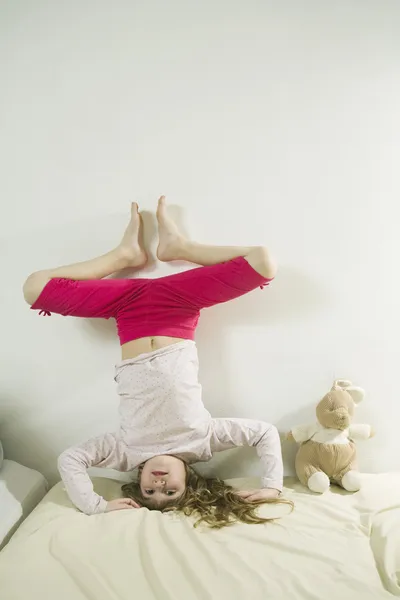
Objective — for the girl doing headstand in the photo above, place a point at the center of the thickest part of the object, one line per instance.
(164, 426)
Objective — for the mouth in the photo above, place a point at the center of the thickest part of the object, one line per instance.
(159, 473)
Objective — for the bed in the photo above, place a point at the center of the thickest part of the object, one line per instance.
(338, 546)
(21, 489)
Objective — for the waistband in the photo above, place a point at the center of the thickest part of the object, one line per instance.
(142, 358)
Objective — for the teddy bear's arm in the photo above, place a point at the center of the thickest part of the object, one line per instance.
(360, 432)
(302, 433)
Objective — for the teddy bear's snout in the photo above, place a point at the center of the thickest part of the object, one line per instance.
(341, 418)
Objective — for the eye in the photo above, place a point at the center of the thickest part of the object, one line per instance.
(149, 492)
(170, 492)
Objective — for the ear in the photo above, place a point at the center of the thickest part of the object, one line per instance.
(356, 393)
(341, 384)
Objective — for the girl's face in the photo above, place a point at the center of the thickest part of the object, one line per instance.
(163, 478)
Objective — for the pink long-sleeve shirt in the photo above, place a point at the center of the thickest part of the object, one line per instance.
(161, 412)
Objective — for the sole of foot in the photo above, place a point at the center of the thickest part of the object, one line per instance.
(131, 246)
(171, 241)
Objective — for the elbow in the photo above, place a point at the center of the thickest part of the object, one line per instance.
(64, 463)
(271, 434)
(277, 435)
(273, 430)
(61, 460)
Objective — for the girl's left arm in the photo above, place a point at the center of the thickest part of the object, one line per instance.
(230, 433)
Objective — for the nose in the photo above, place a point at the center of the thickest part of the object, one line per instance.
(159, 482)
(342, 418)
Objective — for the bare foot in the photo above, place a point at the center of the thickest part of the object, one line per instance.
(171, 241)
(131, 244)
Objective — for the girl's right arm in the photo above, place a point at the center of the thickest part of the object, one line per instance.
(101, 451)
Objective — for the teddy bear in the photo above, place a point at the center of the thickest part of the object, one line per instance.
(327, 452)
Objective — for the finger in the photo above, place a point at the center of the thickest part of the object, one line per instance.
(123, 503)
(131, 502)
(128, 501)
(124, 506)
(248, 496)
(244, 493)
(253, 497)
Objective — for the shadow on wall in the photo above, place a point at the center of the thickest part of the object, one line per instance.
(302, 416)
(28, 443)
(291, 297)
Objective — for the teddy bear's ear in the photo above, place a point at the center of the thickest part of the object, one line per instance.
(356, 393)
(341, 384)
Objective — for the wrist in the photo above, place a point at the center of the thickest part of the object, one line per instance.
(273, 491)
(102, 506)
(272, 484)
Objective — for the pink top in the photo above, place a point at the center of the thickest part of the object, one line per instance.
(161, 412)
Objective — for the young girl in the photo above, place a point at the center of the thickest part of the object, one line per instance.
(164, 426)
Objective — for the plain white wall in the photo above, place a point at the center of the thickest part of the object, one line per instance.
(263, 122)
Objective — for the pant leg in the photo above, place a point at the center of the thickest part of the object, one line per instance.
(204, 287)
(99, 298)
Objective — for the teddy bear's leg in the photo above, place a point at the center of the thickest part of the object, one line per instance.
(349, 477)
(308, 468)
(319, 482)
(351, 481)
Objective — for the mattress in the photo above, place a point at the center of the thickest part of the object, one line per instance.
(21, 489)
(338, 545)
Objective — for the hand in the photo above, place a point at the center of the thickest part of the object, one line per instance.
(121, 504)
(263, 494)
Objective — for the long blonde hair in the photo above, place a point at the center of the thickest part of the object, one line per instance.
(211, 500)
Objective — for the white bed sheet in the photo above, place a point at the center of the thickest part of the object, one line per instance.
(339, 545)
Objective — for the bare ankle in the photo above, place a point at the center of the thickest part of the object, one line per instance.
(171, 248)
(128, 256)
